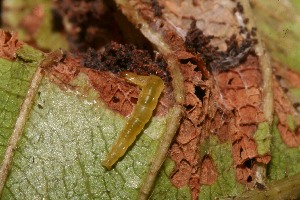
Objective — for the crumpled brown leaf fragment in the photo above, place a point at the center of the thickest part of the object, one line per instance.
(9, 44)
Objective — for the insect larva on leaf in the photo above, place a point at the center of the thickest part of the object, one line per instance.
(152, 86)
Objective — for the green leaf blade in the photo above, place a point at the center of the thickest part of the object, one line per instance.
(15, 80)
(65, 139)
(164, 189)
(285, 160)
(226, 184)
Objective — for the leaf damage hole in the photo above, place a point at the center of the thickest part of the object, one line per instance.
(241, 151)
(249, 163)
(189, 60)
(249, 179)
(189, 107)
(115, 99)
(230, 81)
(133, 100)
(297, 106)
(200, 93)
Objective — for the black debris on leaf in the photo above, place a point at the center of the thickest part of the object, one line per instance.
(118, 58)
(215, 59)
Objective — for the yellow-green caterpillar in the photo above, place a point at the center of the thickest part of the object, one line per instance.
(152, 86)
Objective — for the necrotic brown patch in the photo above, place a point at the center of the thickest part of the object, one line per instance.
(231, 109)
(241, 93)
(121, 96)
(114, 91)
(184, 150)
(228, 105)
(208, 171)
(182, 175)
(64, 71)
(116, 58)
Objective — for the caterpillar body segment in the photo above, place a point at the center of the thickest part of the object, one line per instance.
(152, 86)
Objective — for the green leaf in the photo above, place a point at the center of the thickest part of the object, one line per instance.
(295, 93)
(15, 80)
(280, 30)
(285, 160)
(226, 184)
(66, 136)
(263, 138)
(67, 133)
(164, 189)
(64, 141)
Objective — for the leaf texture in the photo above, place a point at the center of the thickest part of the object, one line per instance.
(64, 140)
(237, 125)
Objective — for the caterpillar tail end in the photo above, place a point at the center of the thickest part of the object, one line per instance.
(105, 163)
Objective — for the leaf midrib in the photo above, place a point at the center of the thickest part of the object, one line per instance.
(19, 126)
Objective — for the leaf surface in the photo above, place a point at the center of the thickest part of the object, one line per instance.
(65, 138)
(15, 78)
(227, 139)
